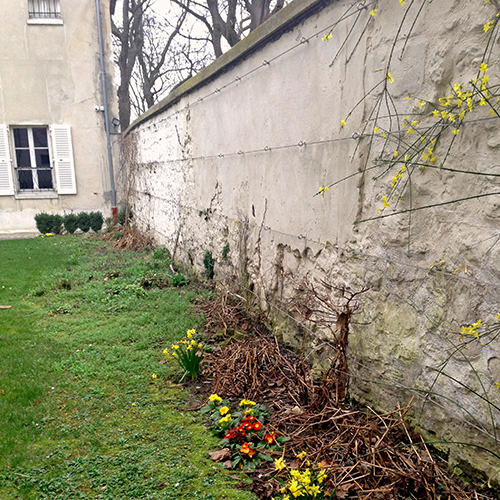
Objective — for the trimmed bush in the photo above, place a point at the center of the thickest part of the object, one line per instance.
(57, 224)
(70, 223)
(96, 221)
(43, 222)
(47, 223)
(84, 221)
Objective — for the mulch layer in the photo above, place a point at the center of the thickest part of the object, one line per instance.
(367, 455)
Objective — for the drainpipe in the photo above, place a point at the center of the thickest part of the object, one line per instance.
(114, 210)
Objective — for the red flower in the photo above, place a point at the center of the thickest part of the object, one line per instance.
(248, 423)
(270, 437)
(236, 433)
(256, 426)
(248, 450)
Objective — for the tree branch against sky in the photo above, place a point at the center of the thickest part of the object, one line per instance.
(159, 44)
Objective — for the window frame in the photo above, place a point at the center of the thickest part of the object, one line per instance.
(47, 9)
(34, 168)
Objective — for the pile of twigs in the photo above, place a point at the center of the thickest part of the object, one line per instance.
(367, 455)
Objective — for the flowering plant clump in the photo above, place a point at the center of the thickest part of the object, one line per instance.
(243, 431)
(188, 353)
(305, 481)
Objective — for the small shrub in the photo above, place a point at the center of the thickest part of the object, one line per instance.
(162, 254)
(57, 224)
(46, 223)
(70, 223)
(208, 262)
(178, 280)
(43, 222)
(117, 236)
(96, 221)
(84, 221)
(122, 215)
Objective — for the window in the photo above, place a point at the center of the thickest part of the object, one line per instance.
(44, 9)
(32, 157)
(42, 160)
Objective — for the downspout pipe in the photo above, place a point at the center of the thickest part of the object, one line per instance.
(114, 210)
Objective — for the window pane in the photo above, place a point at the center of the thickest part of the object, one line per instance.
(44, 8)
(21, 137)
(25, 179)
(45, 179)
(40, 138)
(42, 158)
(23, 158)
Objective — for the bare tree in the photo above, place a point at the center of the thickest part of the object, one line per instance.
(229, 20)
(154, 52)
(128, 33)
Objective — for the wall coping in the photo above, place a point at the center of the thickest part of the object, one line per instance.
(281, 22)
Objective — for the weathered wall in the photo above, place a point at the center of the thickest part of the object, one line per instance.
(50, 74)
(236, 156)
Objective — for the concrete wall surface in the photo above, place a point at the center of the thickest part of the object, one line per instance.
(50, 75)
(368, 102)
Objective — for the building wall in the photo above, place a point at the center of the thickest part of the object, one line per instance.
(50, 74)
(232, 161)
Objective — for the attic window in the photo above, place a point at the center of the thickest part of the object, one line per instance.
(44, 9)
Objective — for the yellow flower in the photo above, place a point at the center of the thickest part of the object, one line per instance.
(488, 26)
(301, 455)
(456, 131)
(483, 68)
(247, 402)
(200, 346)
(154, 376)
(175, 346)
(165, 351)
(421, 103)
(190, 333)
(390, 78)
(497, 384)
(214, 398)
(225, 419)
(279, 463)
(342, 122)
(374, 12)
(322, 190)
(375, 130)
(402, 2)
(326, 37)
(314, 489)
(385, 202)
(321, 476)
(395, 154)
(223, 410)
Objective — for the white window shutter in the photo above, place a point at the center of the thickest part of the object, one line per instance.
(6, 183)
(64, 165)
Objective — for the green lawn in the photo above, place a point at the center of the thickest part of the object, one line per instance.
(81, 415)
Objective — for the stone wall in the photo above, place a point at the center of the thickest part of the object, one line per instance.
(231, 163)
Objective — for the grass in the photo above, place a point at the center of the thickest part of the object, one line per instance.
(81, 414)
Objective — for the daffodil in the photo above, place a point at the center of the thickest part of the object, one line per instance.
(279, 463)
